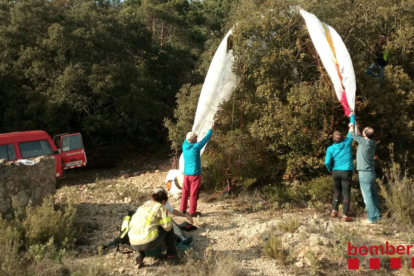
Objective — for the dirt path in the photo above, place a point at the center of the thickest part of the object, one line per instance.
(225, 226)
(228, 227)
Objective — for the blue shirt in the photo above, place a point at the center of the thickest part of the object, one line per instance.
(191, 152)
(339, 155)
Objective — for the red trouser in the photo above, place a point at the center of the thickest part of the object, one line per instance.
(190, 189)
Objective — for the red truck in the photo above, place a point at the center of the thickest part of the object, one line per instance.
(67, 149)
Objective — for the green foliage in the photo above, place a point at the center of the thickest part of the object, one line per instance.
(41, 251)
(187, 99)
(37, 240)
(10, 242)
(106, 69)
(397, 188)
(43, 224)
(320, 189)
(290, 225)
(289, 107)
(273, 248)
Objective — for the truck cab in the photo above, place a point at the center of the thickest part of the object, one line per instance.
(30, 144)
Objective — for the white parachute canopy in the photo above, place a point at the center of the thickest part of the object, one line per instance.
(335, 58)
(217, 88)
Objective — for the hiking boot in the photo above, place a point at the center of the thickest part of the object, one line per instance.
(139, 261)
(334, 214)
(185, 241)
(196, 214)
(347, 219)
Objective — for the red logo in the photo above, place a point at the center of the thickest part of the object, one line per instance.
(378, 250)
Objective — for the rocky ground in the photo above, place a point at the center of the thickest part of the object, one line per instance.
(232, 228)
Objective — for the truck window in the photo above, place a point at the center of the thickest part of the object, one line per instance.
(72, 142)
(7, 152)
(35, 148)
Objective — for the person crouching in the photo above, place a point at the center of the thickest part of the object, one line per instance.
(150, 226)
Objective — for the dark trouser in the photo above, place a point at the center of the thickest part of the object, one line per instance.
(342, 185)
(117, 241)
(163, 235)
(177, 231)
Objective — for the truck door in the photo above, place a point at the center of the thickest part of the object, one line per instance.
(72, 151)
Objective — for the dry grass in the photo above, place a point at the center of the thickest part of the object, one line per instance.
(290, 224)
(213, 264)
(398, 191)
(273, 248)
(40, 241)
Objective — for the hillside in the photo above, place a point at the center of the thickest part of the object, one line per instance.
(231, 233)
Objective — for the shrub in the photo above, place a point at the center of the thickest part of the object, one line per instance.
(289, 225)
(214, 264)
(44, 223)
(273, 248)
(320, 189)
(277, 193)
(41, 251)
(10, 242)
(397, 188)
(36, 239)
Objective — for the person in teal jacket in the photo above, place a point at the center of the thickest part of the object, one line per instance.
(339, 161)
(192, 171)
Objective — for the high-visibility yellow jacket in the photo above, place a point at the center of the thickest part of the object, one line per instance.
(145, 222)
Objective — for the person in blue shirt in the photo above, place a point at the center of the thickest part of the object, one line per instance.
(339, 161)
(192, 171)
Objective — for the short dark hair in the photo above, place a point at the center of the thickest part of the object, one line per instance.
(337, 132)
(369, 132)
(159, 195)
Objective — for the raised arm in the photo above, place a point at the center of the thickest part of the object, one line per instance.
(358, 138)
(352, 121)
(203, 142)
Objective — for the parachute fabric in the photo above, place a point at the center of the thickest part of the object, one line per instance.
(217, 88)
(335, 58)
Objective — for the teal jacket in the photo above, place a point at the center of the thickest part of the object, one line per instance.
(191, 152)
(339, 155)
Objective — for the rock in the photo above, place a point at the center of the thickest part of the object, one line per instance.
(135, 174)
(302, 228)
(3, 207)
(121, 270)
(125, 176)
(22, 198)
(27, 184)
(157, 171)
(328, 226)
(299, 264)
